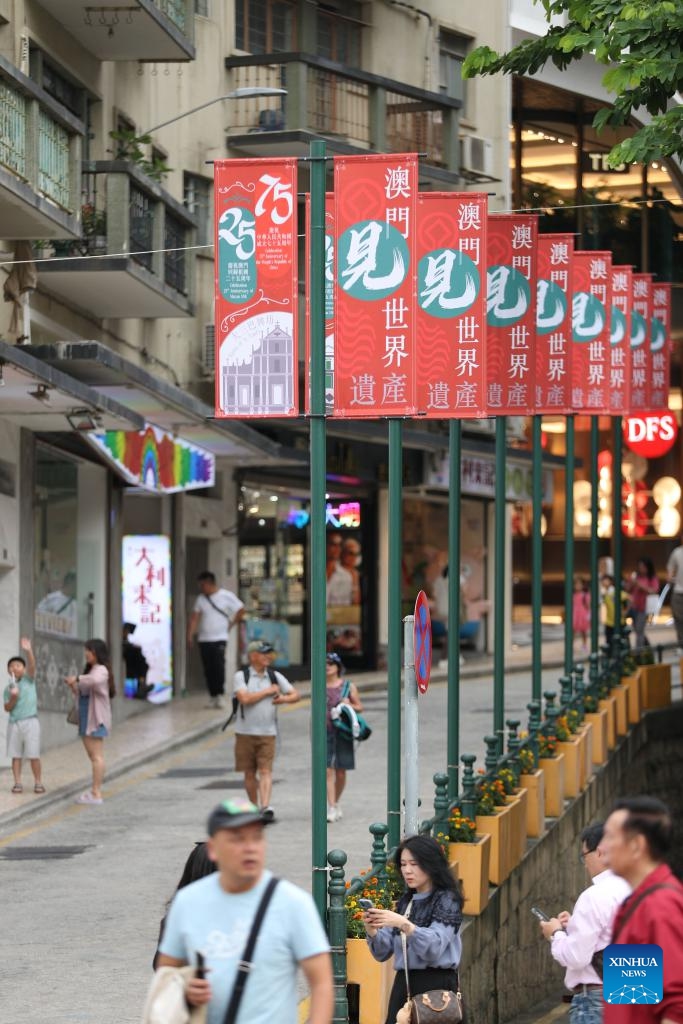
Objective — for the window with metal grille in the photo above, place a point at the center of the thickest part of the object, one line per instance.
(453, 48)
(198, 197)
(174, 257)
(265, 26)
(339, 33)
(65, 92)
(141, 215)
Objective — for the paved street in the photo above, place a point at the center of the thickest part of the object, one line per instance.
(85, 919)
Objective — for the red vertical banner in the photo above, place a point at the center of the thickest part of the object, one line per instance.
(512, 248)
(451, 304)
(554, 323)
(256, 292)
(591, 320)
(661, 346)
(374, 298)
(641, 317)
(328, 300)
(620, 342)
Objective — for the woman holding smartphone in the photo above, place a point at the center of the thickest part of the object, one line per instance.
(94, 689)
(429, 914)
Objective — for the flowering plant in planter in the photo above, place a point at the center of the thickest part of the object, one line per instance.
(590, 703)
(547, 746)
(490, 794)
(506, 776)
(573, 720)
(562, 729)
(460, 828)
(527, 761)
(93, 221)
(384, 897)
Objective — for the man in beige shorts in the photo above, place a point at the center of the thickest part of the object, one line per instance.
(259, 690)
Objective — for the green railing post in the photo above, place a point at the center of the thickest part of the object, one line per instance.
(514, 743)
(336, 930)
(378, 852)
(441, 802)
(453, 713)
(534, 709)
(565, 691)
(594, 581)
(569, 545)
(469, 795)
(500, 519)
(317, 529)
(493, 752)
(536, 557)
(395, 631)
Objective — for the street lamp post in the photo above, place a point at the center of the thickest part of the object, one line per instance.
(237, 94)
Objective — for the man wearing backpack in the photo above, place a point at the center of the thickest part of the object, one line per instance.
(259, 690)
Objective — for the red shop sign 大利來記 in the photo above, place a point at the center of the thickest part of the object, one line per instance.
(651, 434)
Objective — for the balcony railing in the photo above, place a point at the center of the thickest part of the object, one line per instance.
(353, 108)
(39, 140)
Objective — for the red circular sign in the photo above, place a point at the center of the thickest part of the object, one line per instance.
(651, 433)
(422, 640)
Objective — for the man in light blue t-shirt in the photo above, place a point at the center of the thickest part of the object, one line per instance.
(214, 916)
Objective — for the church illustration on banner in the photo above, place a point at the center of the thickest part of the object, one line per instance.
(256, 366)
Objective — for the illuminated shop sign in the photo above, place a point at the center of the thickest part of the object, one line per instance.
(345, 515)
(146, 594)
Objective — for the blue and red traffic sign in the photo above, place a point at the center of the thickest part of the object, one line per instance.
(422, 641)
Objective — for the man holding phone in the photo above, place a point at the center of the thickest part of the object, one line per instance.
(577, 939)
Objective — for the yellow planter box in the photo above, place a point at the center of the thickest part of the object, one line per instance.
(535, 802)
(655, 686)
(517, 801)
(375, 980)
(620, 694)
(470, 865)
(633, 684)
(553, 770)
(586, 731)
(572, 766)
(598, 719)
(499, 827)
(609, 705)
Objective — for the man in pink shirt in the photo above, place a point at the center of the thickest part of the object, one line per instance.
(577, 939)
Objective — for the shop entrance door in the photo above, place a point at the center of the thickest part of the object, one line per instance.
(196, 561)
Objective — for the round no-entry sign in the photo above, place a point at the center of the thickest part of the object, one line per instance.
(422, 640)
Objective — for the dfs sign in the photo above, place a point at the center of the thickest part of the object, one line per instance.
(651, 434)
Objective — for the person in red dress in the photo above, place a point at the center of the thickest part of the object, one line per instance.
(637, 838)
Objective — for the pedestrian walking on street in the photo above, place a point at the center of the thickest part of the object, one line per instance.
(609, 598)
(259, 690)
(674, 570)
(198, 865)
(577, 939)
(581, 612)
(637, 840)
(215, 612)
(95, 689)
(340, 750)
(642, 584)
(21, 701)
(216, 915)
(429, 915)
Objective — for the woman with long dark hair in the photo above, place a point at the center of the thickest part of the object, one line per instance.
(197, 866)
(429, 914)
(95, 689)
(642, 584)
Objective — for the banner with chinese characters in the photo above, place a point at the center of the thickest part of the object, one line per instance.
(256, 294)
(641, 323)
(328, 300)
(146, 603)
(591, 323)
(155, 460)
(620, 342)
(554, 323)
(512, 250)
(451, 301)
(661, 346)
(374, 300)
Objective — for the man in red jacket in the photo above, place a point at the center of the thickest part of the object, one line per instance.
(638, 835)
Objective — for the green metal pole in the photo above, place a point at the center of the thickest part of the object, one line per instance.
(453, 713)
(318, 525)
(617, 536)
(569, 546)
(536, 557)
(500, 519)
(594, 582)
(395, 633)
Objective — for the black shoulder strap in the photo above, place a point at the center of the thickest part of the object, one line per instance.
(272, 676)
(244, 965)
(632, 906)
(216, 608)
(236, 704)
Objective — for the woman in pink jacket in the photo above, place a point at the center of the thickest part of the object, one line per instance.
(94, 688)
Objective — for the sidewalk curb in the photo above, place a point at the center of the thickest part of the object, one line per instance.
(64, 794)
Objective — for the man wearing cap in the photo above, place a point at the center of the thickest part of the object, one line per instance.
(259, 690)
(214, 916)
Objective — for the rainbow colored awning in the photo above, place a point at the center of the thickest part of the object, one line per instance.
(155, 460)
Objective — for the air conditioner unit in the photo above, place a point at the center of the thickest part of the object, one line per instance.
(476, 154)
(209, 350)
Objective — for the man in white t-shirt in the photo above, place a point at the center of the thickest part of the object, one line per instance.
(215, 613)
(259, 690)
(214, 916)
